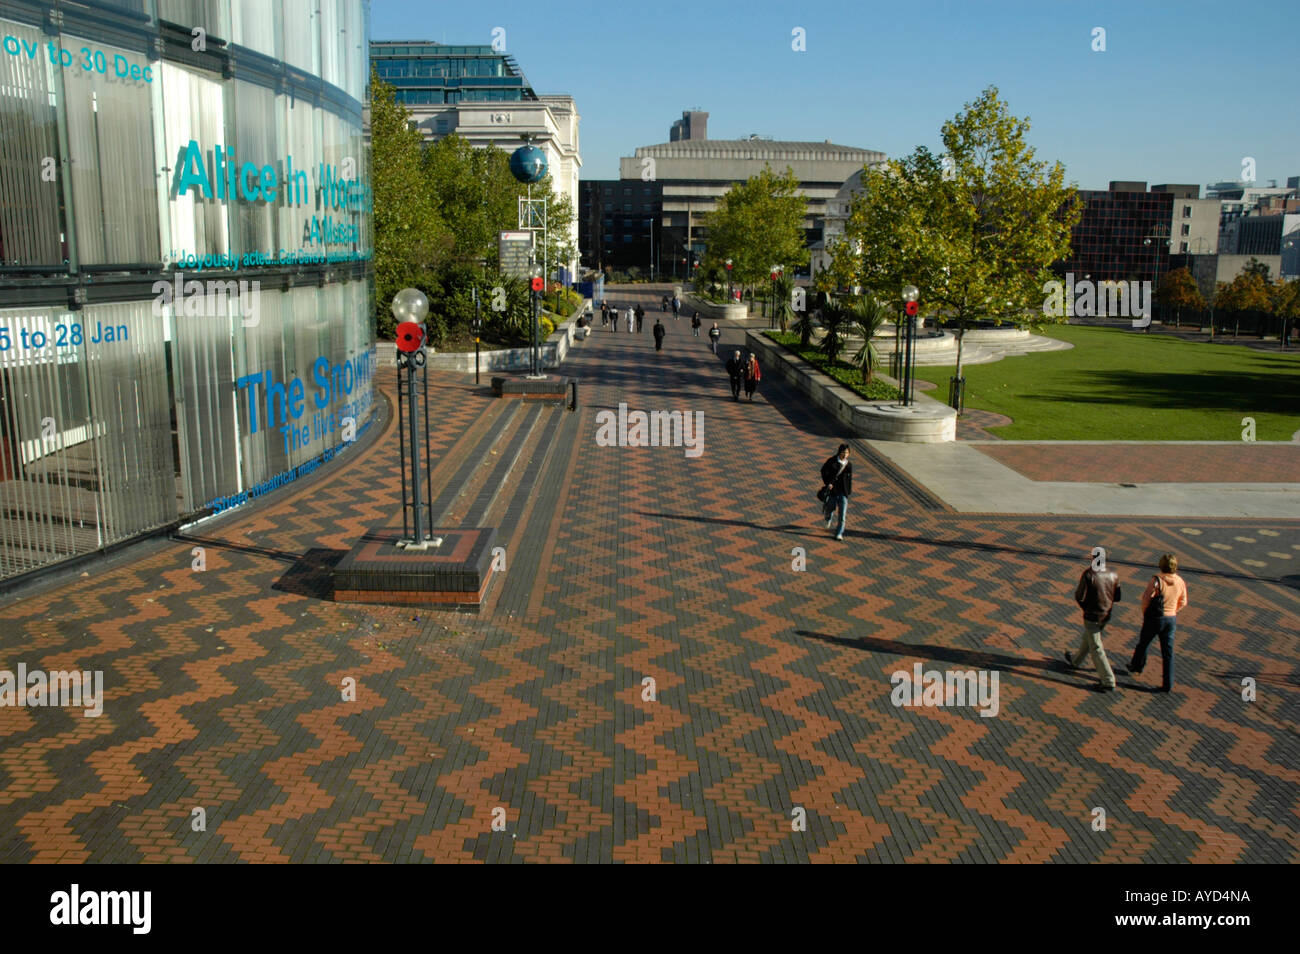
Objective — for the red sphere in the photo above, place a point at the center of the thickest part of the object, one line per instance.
(410, 336)
(911, 308)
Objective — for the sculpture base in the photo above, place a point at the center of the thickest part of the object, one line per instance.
(454, 576)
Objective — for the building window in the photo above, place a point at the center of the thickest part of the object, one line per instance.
(627, 206)
(627, 191)
(1187, 230)
(1183, 248)
(1187, 211)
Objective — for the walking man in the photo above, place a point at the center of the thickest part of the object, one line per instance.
(604, 312)
(631, 319)
(677, 306)
(736, 371)
(837, 481)
(695, 324)
(659, 332)
(714, 334)
(640, 319)
(1097, 593)
(1164, 596)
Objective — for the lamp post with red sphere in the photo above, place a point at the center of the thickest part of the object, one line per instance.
(910, 308)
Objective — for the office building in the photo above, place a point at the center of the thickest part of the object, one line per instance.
(482, 94)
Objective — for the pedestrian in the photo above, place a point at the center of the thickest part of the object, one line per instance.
(695, 324)
(752, 375)
(837, 485)
(640, 318)
(736, 371)
(659, 332)
(631, 319)
(663, 303)
(1097, 593)
(677, 306)
(604, 313)
(613, 320)
(1164, 596)
(714, 334)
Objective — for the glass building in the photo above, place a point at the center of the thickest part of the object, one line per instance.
(186, 288)
(431, 74)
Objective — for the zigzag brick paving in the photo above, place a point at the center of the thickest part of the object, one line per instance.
(771, 685)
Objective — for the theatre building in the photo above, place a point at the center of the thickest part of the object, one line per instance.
(186, 287)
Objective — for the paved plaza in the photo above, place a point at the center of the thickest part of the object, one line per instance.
(768, 732)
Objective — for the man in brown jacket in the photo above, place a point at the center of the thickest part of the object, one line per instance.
(1097, 593)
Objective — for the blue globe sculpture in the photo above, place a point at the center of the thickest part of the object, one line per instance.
(528, 164)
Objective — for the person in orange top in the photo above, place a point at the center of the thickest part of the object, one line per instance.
(1164, 596)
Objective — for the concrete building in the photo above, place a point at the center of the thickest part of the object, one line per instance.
(483, 95)
(694, 171)
(1194, 222)
(833, 223)
(618, 227)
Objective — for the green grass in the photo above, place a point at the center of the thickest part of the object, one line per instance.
(1119, 385)
(851, 378)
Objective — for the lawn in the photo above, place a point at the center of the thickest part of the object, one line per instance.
(1119, 385)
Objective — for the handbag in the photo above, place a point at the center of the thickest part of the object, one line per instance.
(1156, 608)
(822, 494)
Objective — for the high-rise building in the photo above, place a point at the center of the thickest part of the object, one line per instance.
(481, 94)
(1123, 234)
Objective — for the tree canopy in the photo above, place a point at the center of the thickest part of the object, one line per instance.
(757, 224)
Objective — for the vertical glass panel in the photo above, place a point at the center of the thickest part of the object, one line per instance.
(126, 370)
(212, 15)
(253, 224)
(203, 382)
(302, 33)
(256, 25)
(48, 478)
(193, 111)
(110, 139)
(30, 173)
(260, 359)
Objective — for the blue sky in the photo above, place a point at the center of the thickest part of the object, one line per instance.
(1183, 92)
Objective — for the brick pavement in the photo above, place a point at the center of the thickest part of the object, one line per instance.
(772, 686)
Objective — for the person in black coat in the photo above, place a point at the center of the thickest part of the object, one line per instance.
(837, 479)
(736, 370)
(659, 332)
(640, 318)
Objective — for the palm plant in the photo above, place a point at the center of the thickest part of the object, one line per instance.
(835, 318)
(782, 292)
(868, 315)
(804, 327)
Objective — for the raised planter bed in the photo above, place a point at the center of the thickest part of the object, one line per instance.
(925, 422)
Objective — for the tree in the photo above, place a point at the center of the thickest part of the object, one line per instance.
(975, 233)
(1255, 267)
(1286, 304)
(1179, 290)
(868, 316)
(757, 224)
(411, 239)
(1246, 292)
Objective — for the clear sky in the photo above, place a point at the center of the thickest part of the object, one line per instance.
(1184, 91)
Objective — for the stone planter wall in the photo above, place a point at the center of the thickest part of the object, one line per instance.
(925, 422)
(717, 312)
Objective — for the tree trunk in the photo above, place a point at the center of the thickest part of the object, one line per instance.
(961, 337)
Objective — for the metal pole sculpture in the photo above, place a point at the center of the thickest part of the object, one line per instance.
(910, 306)
(410, 307)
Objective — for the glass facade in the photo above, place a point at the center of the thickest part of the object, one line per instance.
(426, 74)
(185, 274)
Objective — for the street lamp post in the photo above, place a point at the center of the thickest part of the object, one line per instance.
(910, 308)
(777, 270)
(410, 307)
(538, 286)
(1155, 287)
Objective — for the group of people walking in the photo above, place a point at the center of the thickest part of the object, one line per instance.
(743, 372)
(1098, 592)
(633, 318)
